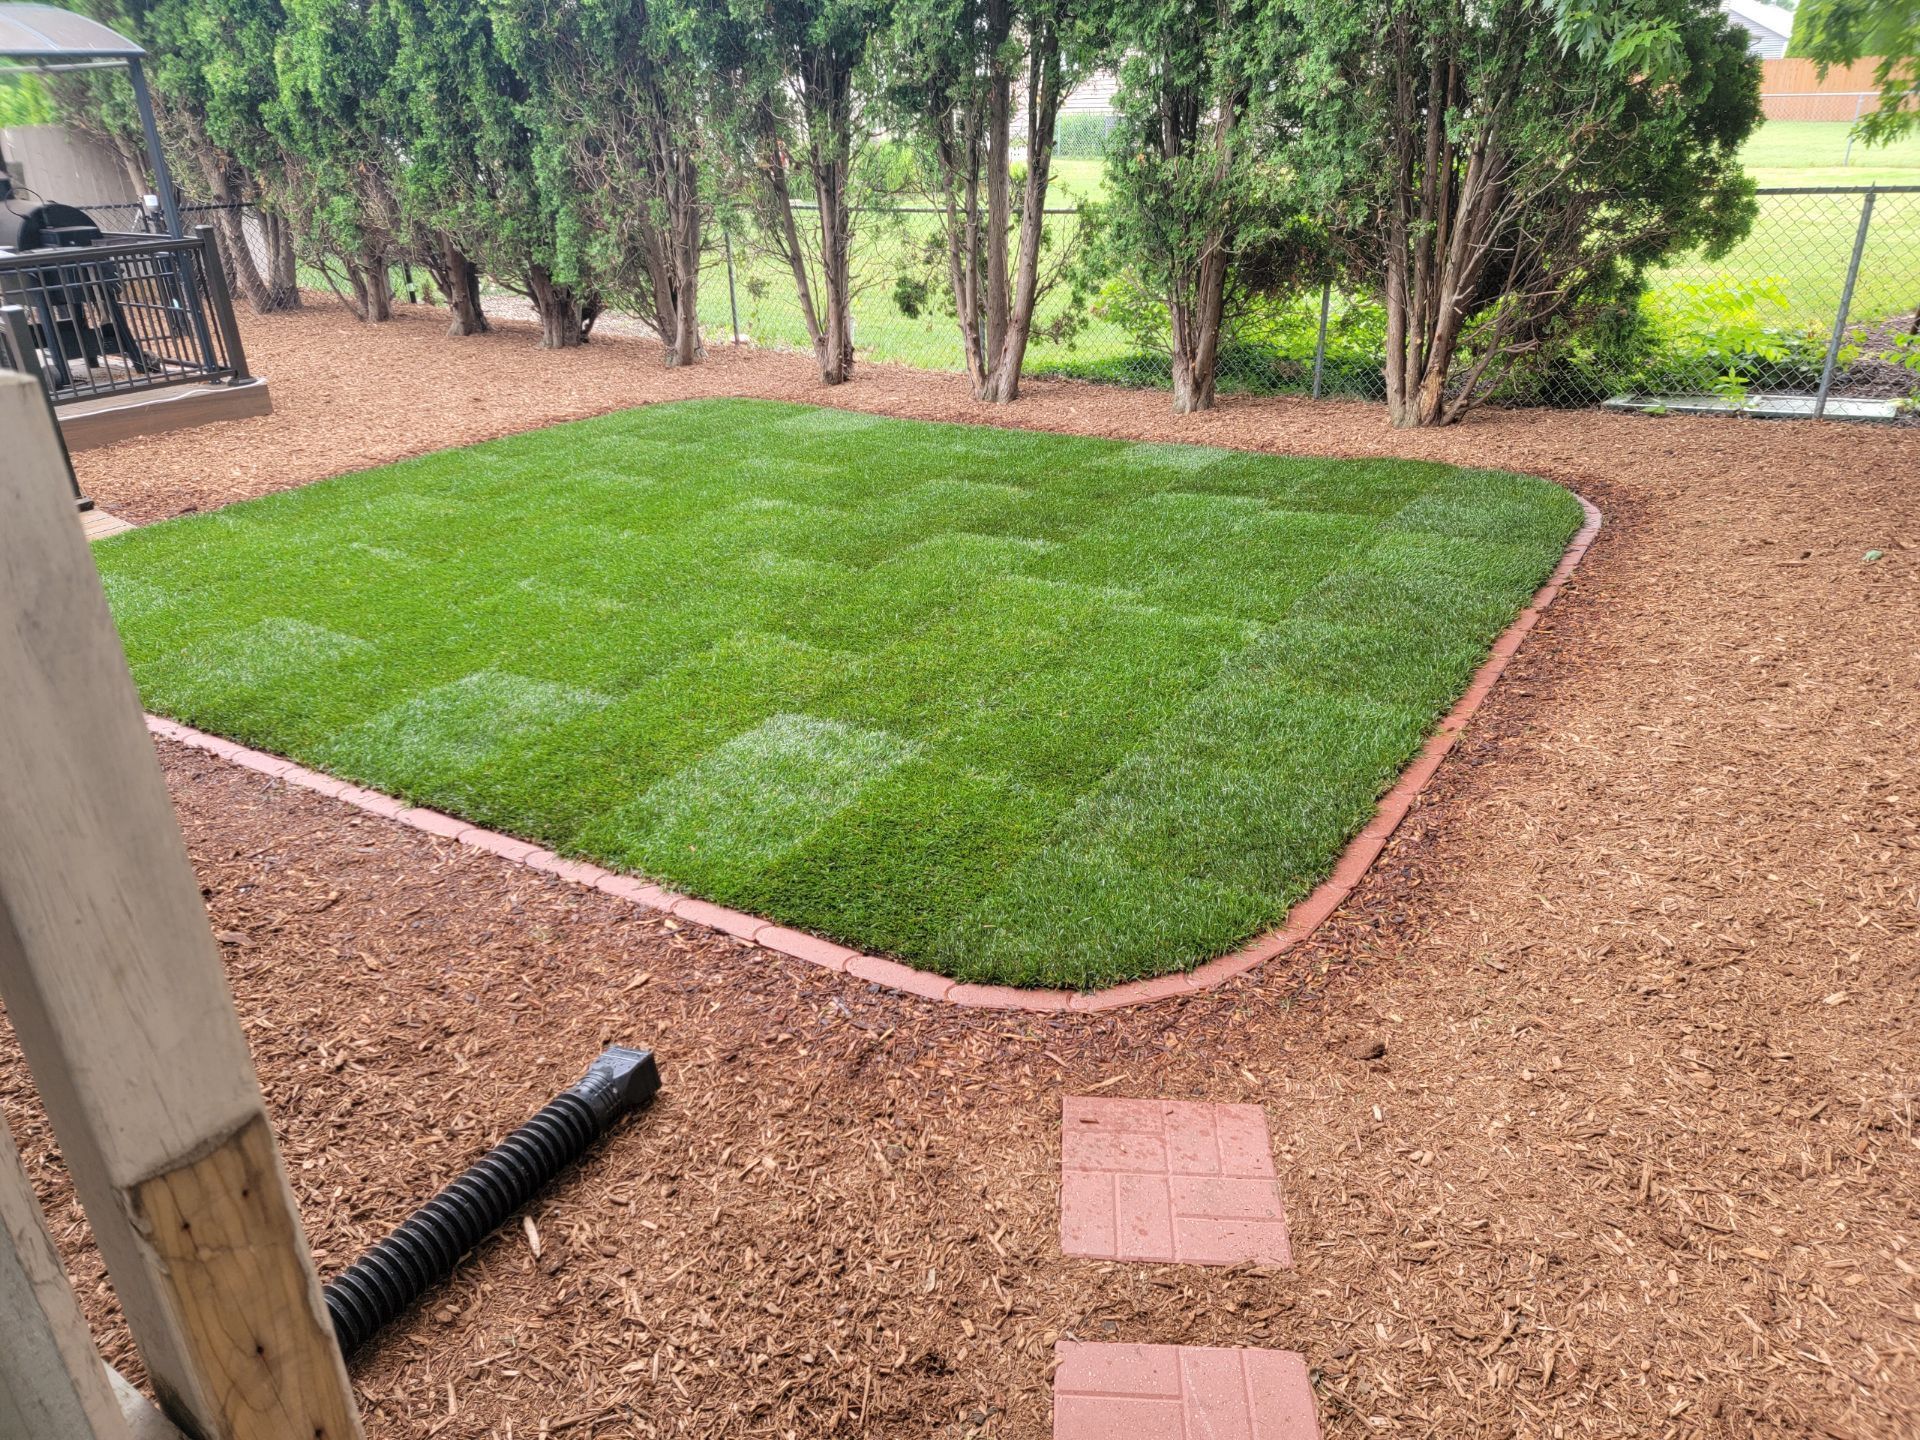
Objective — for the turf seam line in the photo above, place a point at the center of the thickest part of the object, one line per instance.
(1301, 921)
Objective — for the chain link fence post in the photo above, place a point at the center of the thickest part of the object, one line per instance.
(733, 303)
(1846, 304)
(1320, 344)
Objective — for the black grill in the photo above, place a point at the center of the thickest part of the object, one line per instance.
(43, 225)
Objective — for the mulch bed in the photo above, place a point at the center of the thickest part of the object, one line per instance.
(1642, 971)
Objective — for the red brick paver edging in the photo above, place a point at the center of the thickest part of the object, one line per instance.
(1178, 1392)
(1301, 921)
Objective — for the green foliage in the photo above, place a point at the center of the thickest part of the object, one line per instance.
(1265, 349)
(1200, 171)
(1684, 337)
(1906, 352)
(1839, 32)
(952, 77)
(23, 100)
(1584, 144)
(910, 295)
(611, 98)
(1001, 702)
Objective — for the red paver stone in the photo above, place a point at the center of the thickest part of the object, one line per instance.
(1180, 1392)
(1172, 1180)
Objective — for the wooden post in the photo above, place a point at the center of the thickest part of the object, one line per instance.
(51, 1381)
(114, 987)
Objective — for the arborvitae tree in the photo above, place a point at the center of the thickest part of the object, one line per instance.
(1190, 167)
(794, 78)
(957, 73)
(443, 188)
(477, 173)
(215, 72)
(618, 93)
(1494, 165)
(211, 70)
(334, 60)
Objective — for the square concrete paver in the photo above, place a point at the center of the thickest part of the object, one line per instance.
(1180, 1392)
(1172, 1180)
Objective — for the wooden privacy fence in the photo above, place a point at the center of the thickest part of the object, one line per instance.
(1795, 90)
(113, 984)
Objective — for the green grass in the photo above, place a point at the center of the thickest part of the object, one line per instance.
(1016, 707)
(1814, 152)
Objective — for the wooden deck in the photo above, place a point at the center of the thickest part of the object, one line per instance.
(98, 524)
(88, 424)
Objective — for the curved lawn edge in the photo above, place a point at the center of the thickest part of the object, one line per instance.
(1301, 922)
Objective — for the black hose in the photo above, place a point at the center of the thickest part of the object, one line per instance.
(430, 1242)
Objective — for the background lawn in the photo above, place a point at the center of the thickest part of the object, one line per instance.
(1017, 707)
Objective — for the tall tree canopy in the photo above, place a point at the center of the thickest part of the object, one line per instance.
(619, 97)
(333, 120)
(1493, 165)
(1194, 167)
(212, 73)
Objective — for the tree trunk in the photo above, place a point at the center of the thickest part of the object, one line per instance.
(1196, 331)
(372, 288)
(266, 290)
(283, 276)
(229, 229)
(999, 184)
(459, 277)
(834, 349)
(1043, 111)
(830, 143)
(682, 341)
(564, 321)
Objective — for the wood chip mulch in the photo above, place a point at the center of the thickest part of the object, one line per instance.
(1593, 1109)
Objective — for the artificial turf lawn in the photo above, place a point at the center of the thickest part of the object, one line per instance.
(1025, 708)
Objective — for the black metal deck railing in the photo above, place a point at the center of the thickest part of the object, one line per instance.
(124, 314)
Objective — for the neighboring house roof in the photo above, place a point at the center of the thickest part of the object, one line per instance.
(1768, 26)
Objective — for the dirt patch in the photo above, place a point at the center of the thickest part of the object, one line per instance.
(1593, 1107)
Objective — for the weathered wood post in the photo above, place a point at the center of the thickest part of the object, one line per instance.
(114, 987)
(51, 1381)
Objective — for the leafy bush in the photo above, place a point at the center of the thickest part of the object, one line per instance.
(1692, 338)
(24, 101)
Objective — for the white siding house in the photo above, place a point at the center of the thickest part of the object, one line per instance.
(1768, 26)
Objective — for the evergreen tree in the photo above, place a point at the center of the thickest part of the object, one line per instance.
(1493, 166)
(793, 79)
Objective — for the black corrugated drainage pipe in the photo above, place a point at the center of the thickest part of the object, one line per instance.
(430, 1242)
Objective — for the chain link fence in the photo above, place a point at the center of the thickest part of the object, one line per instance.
(1818, 305)
(118, 217)
(1820, 301)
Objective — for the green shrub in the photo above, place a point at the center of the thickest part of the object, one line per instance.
(1687, 338)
